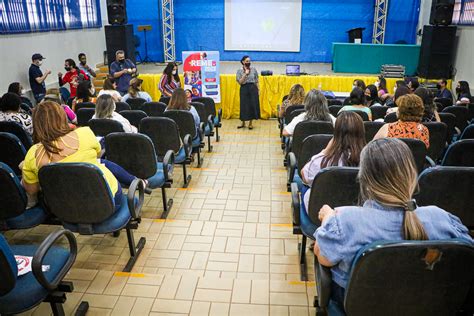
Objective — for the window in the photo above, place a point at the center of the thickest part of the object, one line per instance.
(23, 16)
(463, 12)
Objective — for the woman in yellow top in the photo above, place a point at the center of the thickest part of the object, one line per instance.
(56, 141)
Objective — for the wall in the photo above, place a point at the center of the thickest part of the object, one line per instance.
(16, 52)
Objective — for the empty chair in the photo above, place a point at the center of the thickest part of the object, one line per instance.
(165, 100)
(450, 120)
(450, 188)
(121, 106)
(470, 108)
(79, 196)
(334, 102)
(211, 109)
(371, 128)
(207, 120)
(134, 116)
(462, 116)
(468, 132)
(135, 103)
(18, 131)
(378, 112)
(22, 293)
(391, 118)
(438, 137)
(153, 108)
(84, 115)
(419, 151)
(164, 134)
(103, 127)
(12, 151)
(334, 109)
(460, 153)
(289, 113)
(443, 103)
(87, 105)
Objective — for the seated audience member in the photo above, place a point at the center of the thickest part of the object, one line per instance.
(463, 92)
(17, 88)
(401, 91)
(73, 76)
(357, 98)
(412, 83)
(316, 109)
(296, 97)
(431, 113)
(410, 113)
(343, 149)
(85, 93)
(381, 85)
(372, 96)
(54, 96)
(109, 88)
(388, 180)
(11, 111)
(135, 91)
(443, 91)
(358, 83)
(105, 109)
(189, 95)
(179, 101)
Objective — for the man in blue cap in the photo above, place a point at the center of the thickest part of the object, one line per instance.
(37, 78)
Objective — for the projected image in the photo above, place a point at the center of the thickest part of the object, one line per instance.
(463, 12)
(263, 25)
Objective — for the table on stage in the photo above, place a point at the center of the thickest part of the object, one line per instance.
(272, 89)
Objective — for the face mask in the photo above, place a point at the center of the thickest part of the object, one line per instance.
(39, 63)
(122, 61)
(394, 90)
(354, 86)
(458, 90)
(23, 91)
(67, 68)
(247, 65)
(377, 84)
(83, 62)
(368, 98)
(438, 86)
(173, 72)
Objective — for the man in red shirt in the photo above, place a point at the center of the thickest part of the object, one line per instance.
(73, 76)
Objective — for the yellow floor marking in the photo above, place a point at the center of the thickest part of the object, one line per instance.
(282, 225)
(163, 220)
(129, 274)
(312, 283)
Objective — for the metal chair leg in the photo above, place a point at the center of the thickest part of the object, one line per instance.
(134, 250)
(187, 178)
(303, 265)
(167, 204)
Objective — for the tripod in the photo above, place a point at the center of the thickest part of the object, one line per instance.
(145, 28)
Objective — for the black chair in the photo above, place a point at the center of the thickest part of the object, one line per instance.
(153, 108)
(186, 126)
(211, 109)
(468, 132)
(121, 106)
(391, 118)
(450, 120)
(378, 112)
(334, 186)
(135, 103)
(165, 100)
(207, 120)
(84, 105)
(17, 130)
(362, 114)
(288, 117)
(419, 151)
(12, 151)
(443, 103)
(462, 116)
(164, 133)
(22, 293)
(334, 102)
(136, 154)
(438, 138)
(371, 129)
(86, 205)
(84, 115)
(440, 279)
(470, 108)
(134, 116)
(13, 203)
(334, 109)
(460, 154)
(450, 188)
(103, 127)
(347, 101)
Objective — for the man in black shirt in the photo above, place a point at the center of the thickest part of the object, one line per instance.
(37, 78)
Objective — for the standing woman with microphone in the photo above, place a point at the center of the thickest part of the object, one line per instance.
(247, 77)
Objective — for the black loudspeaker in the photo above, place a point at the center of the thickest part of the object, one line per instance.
(119, 37)
(442, 12)
(437, 52)
(117, 12)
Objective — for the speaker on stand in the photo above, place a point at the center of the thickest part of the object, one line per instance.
(118, 35)
(117, 12)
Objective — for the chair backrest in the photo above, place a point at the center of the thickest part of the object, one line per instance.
(307, 128)
(391, 118)
(461, 113)
(76, 193)
(378, 112)
(292, 115)
(12, 151)
(334, 102)
(84, 115)
(12, 195)
(362, 114)
(133, 152)
(163, 132)
(209, 104)
(121, 106)
(289, 112)
(135, 103)
(334, 109)
(82, 105)
(371, 128)
(312, 145)
(8, 267)
(17, 130)
(185, 121)
(470, 109)
(154, 108)
(165, 100)
(438, 137)
(460, 154)
(450, 120)
(103, 127)
(419, 151)
(450, 188)
(134, 116)
(444, 103)
(468, 132)
(410, 278)
(201, 109)
(347, 101)
(334, 186)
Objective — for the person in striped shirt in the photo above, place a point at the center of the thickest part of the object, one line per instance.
(169, 80)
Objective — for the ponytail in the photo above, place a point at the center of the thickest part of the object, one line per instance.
(412, 227)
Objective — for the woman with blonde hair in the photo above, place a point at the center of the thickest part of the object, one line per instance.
(135, 91)
(296, 97)
(105, 109)
(388, 180)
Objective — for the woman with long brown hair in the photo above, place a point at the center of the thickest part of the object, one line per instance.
(388, 180)
(296, 97)
(179, 101)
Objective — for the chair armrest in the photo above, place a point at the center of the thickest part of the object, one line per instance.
(188, 145)
(40, 254)
(292, 166)
(323, 283)
(201, 128)
(136, 209)
(430, 161)
(168, 165)
(210, 122)
(219, 115)
(295, 204)
(289, 144)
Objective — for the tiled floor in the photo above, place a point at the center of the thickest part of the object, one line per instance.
(226, 248)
